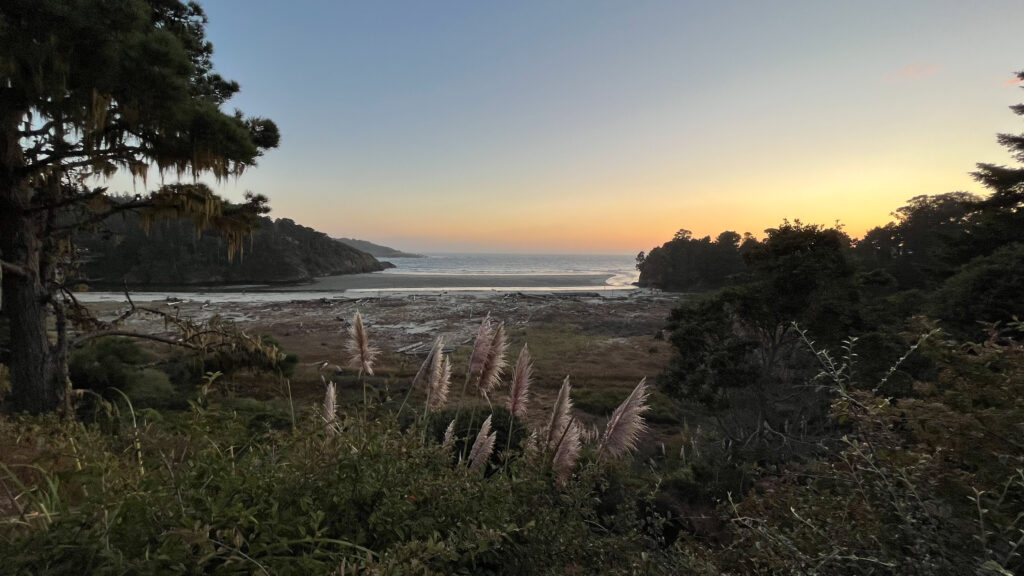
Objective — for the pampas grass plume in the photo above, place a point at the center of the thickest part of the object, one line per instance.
(568, 452)
(330, 408)
(560, 414)
(429, 366)
(522, 376)
(481, 348)
(361, 354)
(624, 427)
(563, 434)
(436, 375)
(490, 375)
(449, 436)
(439, 386)
(483, 446)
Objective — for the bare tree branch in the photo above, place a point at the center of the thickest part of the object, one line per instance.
(15, 269)
(141, 335)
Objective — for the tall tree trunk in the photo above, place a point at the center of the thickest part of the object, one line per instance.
(35, 387)
(25, 295)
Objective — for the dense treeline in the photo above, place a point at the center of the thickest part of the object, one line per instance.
(862, 396)
(171, 252)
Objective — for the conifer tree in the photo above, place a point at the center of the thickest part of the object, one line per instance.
(89, 88)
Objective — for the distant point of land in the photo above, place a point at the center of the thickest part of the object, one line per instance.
(377, 250)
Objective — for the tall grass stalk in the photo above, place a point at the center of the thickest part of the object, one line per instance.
(361, 355)
(481, 348)
(519, 393)
(137, 439)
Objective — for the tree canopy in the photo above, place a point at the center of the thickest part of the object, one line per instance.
(89, 88)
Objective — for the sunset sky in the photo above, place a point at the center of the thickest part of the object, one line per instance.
(607, 126)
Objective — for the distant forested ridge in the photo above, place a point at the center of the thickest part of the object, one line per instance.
(172, 253)
(377, 250)
(955, 257)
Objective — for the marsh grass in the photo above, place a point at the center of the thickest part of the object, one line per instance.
(370, 495)
(242, 485)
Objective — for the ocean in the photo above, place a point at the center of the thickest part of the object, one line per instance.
(621, 267)
(434, 273)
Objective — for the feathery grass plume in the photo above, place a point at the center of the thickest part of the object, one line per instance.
(481, 349)
(531, 446)
(429, 366)
(589, 434)
(435, 374)
(495, 364)
(482, 446)
(559, 414)
(568, 452)
(330, 407)
(439, 387)
(361, 354)
(449, 436)
(522, 377)
(627, 422)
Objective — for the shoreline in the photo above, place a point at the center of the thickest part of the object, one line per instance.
(399, 281)
(368, 284)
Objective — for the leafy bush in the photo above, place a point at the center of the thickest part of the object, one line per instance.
(926, 485)
(373, 498)
(988, 289)
(109, 363)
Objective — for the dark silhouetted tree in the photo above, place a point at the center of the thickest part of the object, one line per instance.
(89, 88)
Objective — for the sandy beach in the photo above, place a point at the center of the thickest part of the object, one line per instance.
(399, 281)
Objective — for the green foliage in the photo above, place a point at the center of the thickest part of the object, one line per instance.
(919, 248)
(603, 401)
(90, 88)
(210, 498)
(925, 485)
(173, 253)
(711, 357)
(988, 289)
(688, 264)
(120, 363)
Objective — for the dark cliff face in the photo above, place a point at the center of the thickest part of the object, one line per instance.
(279, 251)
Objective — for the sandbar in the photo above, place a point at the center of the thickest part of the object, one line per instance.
(398, 281)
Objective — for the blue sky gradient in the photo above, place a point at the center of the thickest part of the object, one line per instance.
(606, 126)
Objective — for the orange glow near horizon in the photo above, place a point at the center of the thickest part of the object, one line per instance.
(628, 220)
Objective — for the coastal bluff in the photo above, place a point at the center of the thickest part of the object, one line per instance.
(173, 254)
